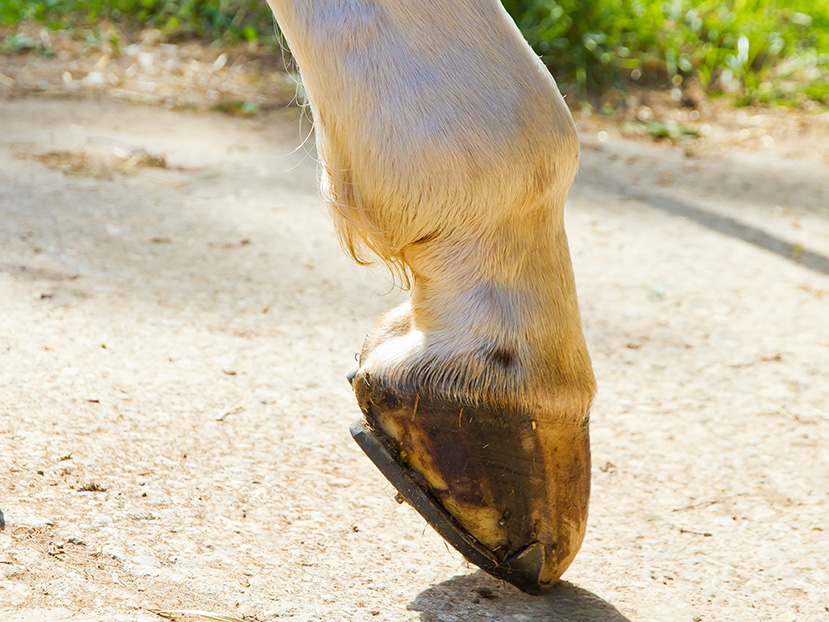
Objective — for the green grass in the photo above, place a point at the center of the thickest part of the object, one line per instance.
(222, 21)
(756, 50)
(767, 51)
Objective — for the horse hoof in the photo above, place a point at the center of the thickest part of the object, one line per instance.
(508, 491)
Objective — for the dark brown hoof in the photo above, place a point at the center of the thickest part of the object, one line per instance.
(522, 571)
(509, 492)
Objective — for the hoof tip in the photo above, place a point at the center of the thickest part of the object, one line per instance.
(523, 569)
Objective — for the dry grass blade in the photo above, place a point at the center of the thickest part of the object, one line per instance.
(177, 613)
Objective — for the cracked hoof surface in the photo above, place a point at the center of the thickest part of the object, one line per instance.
(507, 490)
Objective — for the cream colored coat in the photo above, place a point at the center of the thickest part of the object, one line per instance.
(447, 151)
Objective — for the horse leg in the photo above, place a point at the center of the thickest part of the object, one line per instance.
(447, 152)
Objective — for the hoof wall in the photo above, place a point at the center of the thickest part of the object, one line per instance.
(522, 569)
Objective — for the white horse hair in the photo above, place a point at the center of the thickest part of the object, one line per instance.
(447, 152)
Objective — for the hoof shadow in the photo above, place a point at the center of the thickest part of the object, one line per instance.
(478, 596)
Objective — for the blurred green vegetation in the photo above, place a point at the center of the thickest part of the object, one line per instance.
(223, 21)
(768, 51)
(757, 50)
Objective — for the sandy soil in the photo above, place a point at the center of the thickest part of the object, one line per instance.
(177, 322)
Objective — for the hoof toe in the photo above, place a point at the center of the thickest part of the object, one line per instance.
(509, 492)
(521, 569)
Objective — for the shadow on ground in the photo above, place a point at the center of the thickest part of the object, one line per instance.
(480, 597)
(633, 176)
(734, 228)
(235, 234)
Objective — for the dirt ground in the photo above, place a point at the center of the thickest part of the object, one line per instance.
(177, 321)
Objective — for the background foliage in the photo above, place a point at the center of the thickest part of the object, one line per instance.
(761, 50)
(755, 50)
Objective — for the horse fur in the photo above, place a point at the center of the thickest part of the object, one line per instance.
(447, 152)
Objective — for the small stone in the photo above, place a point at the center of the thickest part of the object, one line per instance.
(100, 520)
(114, 551)
(94, 78)
(145, 560)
